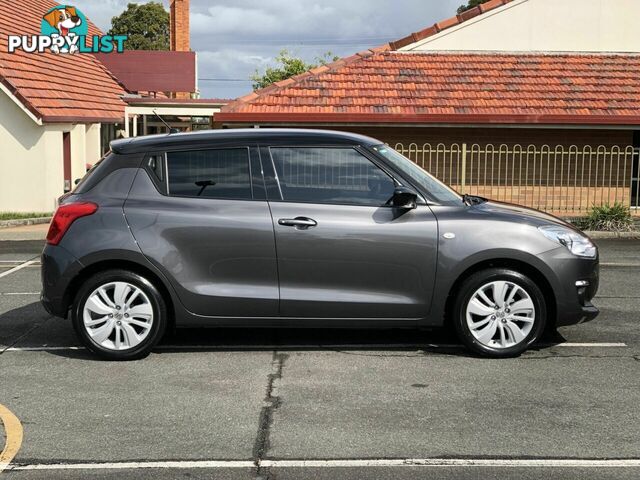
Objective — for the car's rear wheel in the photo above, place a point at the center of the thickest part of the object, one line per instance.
(119, 315)
(499, 312)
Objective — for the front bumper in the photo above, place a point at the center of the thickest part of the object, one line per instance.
(575, 281)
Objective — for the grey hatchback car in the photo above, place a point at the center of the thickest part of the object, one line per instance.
(301, 228)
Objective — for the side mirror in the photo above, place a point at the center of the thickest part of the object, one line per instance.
(404, 198)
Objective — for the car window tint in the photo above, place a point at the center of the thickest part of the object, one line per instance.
(330, 175)
(220, 173)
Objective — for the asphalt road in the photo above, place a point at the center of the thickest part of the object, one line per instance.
(356, 404)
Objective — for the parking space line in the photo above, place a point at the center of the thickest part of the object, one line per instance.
(452, 462)
(19, 267)
(18, 293)
(13, 436)
(139, 465)
(347, 463)
(45, 348)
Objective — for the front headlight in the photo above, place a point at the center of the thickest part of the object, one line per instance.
(576, 243)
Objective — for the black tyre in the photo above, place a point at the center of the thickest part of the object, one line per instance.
(499, 312)
(119, 315)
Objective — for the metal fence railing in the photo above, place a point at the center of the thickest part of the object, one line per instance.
(560, 179)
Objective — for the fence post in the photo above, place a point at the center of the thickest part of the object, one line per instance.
(463, 165)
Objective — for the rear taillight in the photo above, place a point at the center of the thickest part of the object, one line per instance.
(63, 218)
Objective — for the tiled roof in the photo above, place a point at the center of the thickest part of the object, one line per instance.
(448, 23)
(385, 87)
(55, 88)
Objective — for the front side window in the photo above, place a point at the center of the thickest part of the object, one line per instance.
(221, 173)
(339, 176)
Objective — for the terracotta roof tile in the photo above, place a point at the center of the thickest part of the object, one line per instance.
(434, 87)
(447, 23)
(55, 87)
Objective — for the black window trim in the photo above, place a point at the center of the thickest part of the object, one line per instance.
(397, 179)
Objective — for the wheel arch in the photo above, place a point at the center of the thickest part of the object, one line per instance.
(123, 264)
(517, 265)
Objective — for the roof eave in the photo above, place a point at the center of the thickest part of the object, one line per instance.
(77, 119)
(20, 100)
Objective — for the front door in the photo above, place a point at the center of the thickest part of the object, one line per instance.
(342, 252)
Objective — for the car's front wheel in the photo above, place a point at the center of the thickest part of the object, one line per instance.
(499, 312)
(119, 315)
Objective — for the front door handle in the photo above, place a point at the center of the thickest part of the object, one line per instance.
(301, 223)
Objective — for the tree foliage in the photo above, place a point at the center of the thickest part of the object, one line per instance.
(146, 25)
(287, 65)
(470, 5)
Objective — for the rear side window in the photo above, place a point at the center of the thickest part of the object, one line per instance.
(220, 173)
(339, 176)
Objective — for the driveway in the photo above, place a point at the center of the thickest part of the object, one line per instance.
(322, 404)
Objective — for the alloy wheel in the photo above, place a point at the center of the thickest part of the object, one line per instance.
(118, 316)
(500, 314)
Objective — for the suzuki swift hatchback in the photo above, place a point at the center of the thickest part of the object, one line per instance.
(270, 228)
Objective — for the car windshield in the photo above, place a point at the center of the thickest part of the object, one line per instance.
(440, 192)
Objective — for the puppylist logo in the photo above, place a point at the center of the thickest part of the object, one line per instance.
(64, 29)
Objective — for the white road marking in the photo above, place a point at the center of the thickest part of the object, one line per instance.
(359, 463)
(45, 348)
(451, 462)
(19, 267)
(19, 293)
(14, 261)
(137, 465)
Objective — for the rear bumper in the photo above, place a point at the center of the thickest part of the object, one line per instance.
(575, 283)
(58, 269)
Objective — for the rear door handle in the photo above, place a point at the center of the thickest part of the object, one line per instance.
(301, 223)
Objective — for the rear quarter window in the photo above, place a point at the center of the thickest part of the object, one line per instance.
(85, 182)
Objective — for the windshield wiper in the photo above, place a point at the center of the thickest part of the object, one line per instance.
(472, 199)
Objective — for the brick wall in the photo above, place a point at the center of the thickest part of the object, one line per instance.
(496, 136)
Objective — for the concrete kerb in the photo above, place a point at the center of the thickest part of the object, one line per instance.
(24, 222)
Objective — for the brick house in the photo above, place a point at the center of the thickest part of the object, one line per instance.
(53, 109)
(58, 113)
(553, 127)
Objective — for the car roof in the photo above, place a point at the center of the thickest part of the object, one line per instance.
(267, 136)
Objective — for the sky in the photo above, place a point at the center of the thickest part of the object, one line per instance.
(233, 38)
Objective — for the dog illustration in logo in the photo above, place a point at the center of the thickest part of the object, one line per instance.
(64, 20)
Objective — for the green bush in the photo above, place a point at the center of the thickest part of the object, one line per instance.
(608, 218)
(21, 215)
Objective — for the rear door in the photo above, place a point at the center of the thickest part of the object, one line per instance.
(342, 252)
(202, 217)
